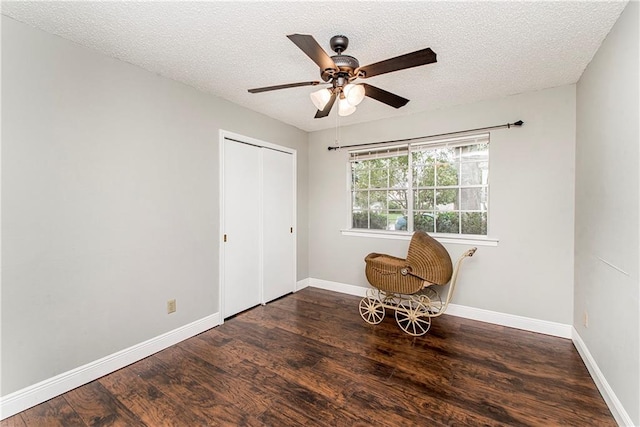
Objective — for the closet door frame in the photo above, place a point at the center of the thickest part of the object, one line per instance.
(223, 134)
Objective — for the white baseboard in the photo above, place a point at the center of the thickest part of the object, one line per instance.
(615, 406)
(511, 320)
(503, 319)
(301, 284)
(358, 291)
(35, 394)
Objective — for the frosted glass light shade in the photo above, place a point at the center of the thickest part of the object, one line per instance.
(320, 98)
(354, 94)
(345, 108)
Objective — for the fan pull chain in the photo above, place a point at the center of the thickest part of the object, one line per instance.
(337, 141)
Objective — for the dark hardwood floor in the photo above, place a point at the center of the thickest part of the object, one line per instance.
(309, 359)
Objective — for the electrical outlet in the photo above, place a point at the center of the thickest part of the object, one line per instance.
(171, 306)
(586, 319)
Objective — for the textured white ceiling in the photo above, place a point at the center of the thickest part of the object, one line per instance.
(485, 49)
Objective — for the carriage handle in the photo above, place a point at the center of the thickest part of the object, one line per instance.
(454, 279)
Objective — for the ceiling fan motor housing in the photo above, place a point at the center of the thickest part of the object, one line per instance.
(346, 64)
(346, 67)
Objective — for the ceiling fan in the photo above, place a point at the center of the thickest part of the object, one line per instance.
(340, 71)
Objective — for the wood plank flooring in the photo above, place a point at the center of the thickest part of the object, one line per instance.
(309, 359)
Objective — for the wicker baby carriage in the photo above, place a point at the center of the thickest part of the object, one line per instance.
(405, 285)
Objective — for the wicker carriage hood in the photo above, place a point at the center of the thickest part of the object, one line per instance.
(428, 259)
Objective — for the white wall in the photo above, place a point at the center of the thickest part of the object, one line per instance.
(109, 203)
(530, 272)
(607, 250)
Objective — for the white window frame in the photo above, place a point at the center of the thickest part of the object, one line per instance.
(384, 151)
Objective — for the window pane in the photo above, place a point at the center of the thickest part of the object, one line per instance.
(377, 221)
(399, 172)
(447, 166)
(378, 200)
(424, 176)
(474, 223)
(367, 219)
(447, 174)
(360, 200)
(397, 199)
(360, 220)
(474, 173)
(446, 154)
(472, 199)
(423, 221)
(398, 178)
(397, 220)
(447, 222)
(424, 157)
(424, 168)
(401, 222)
(381, 163)
(360, 175)
(423, 199)
(478, 152)
(379, 178)
(446, 199)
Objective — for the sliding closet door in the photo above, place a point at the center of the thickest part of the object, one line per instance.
(278, 233)
(242, 226)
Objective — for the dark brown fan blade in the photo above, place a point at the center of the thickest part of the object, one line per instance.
(383, 96)
(327, 108)
(268, 88)
(310, 46)
(402, 62)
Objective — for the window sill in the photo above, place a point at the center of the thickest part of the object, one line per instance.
(442, 238)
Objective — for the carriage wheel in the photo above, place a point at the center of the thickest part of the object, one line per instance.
(413, 317)
(431, 299)
(391, 298)
(371, 310)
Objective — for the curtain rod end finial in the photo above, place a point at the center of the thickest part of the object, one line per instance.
(518, 123)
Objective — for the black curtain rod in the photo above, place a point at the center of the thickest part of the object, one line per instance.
(508, 126)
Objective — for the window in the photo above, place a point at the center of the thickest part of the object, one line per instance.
(436, 186)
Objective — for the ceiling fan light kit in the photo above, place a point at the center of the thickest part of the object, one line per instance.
(345, 108)
(320, 98)
(342, 70)
(354, 93)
